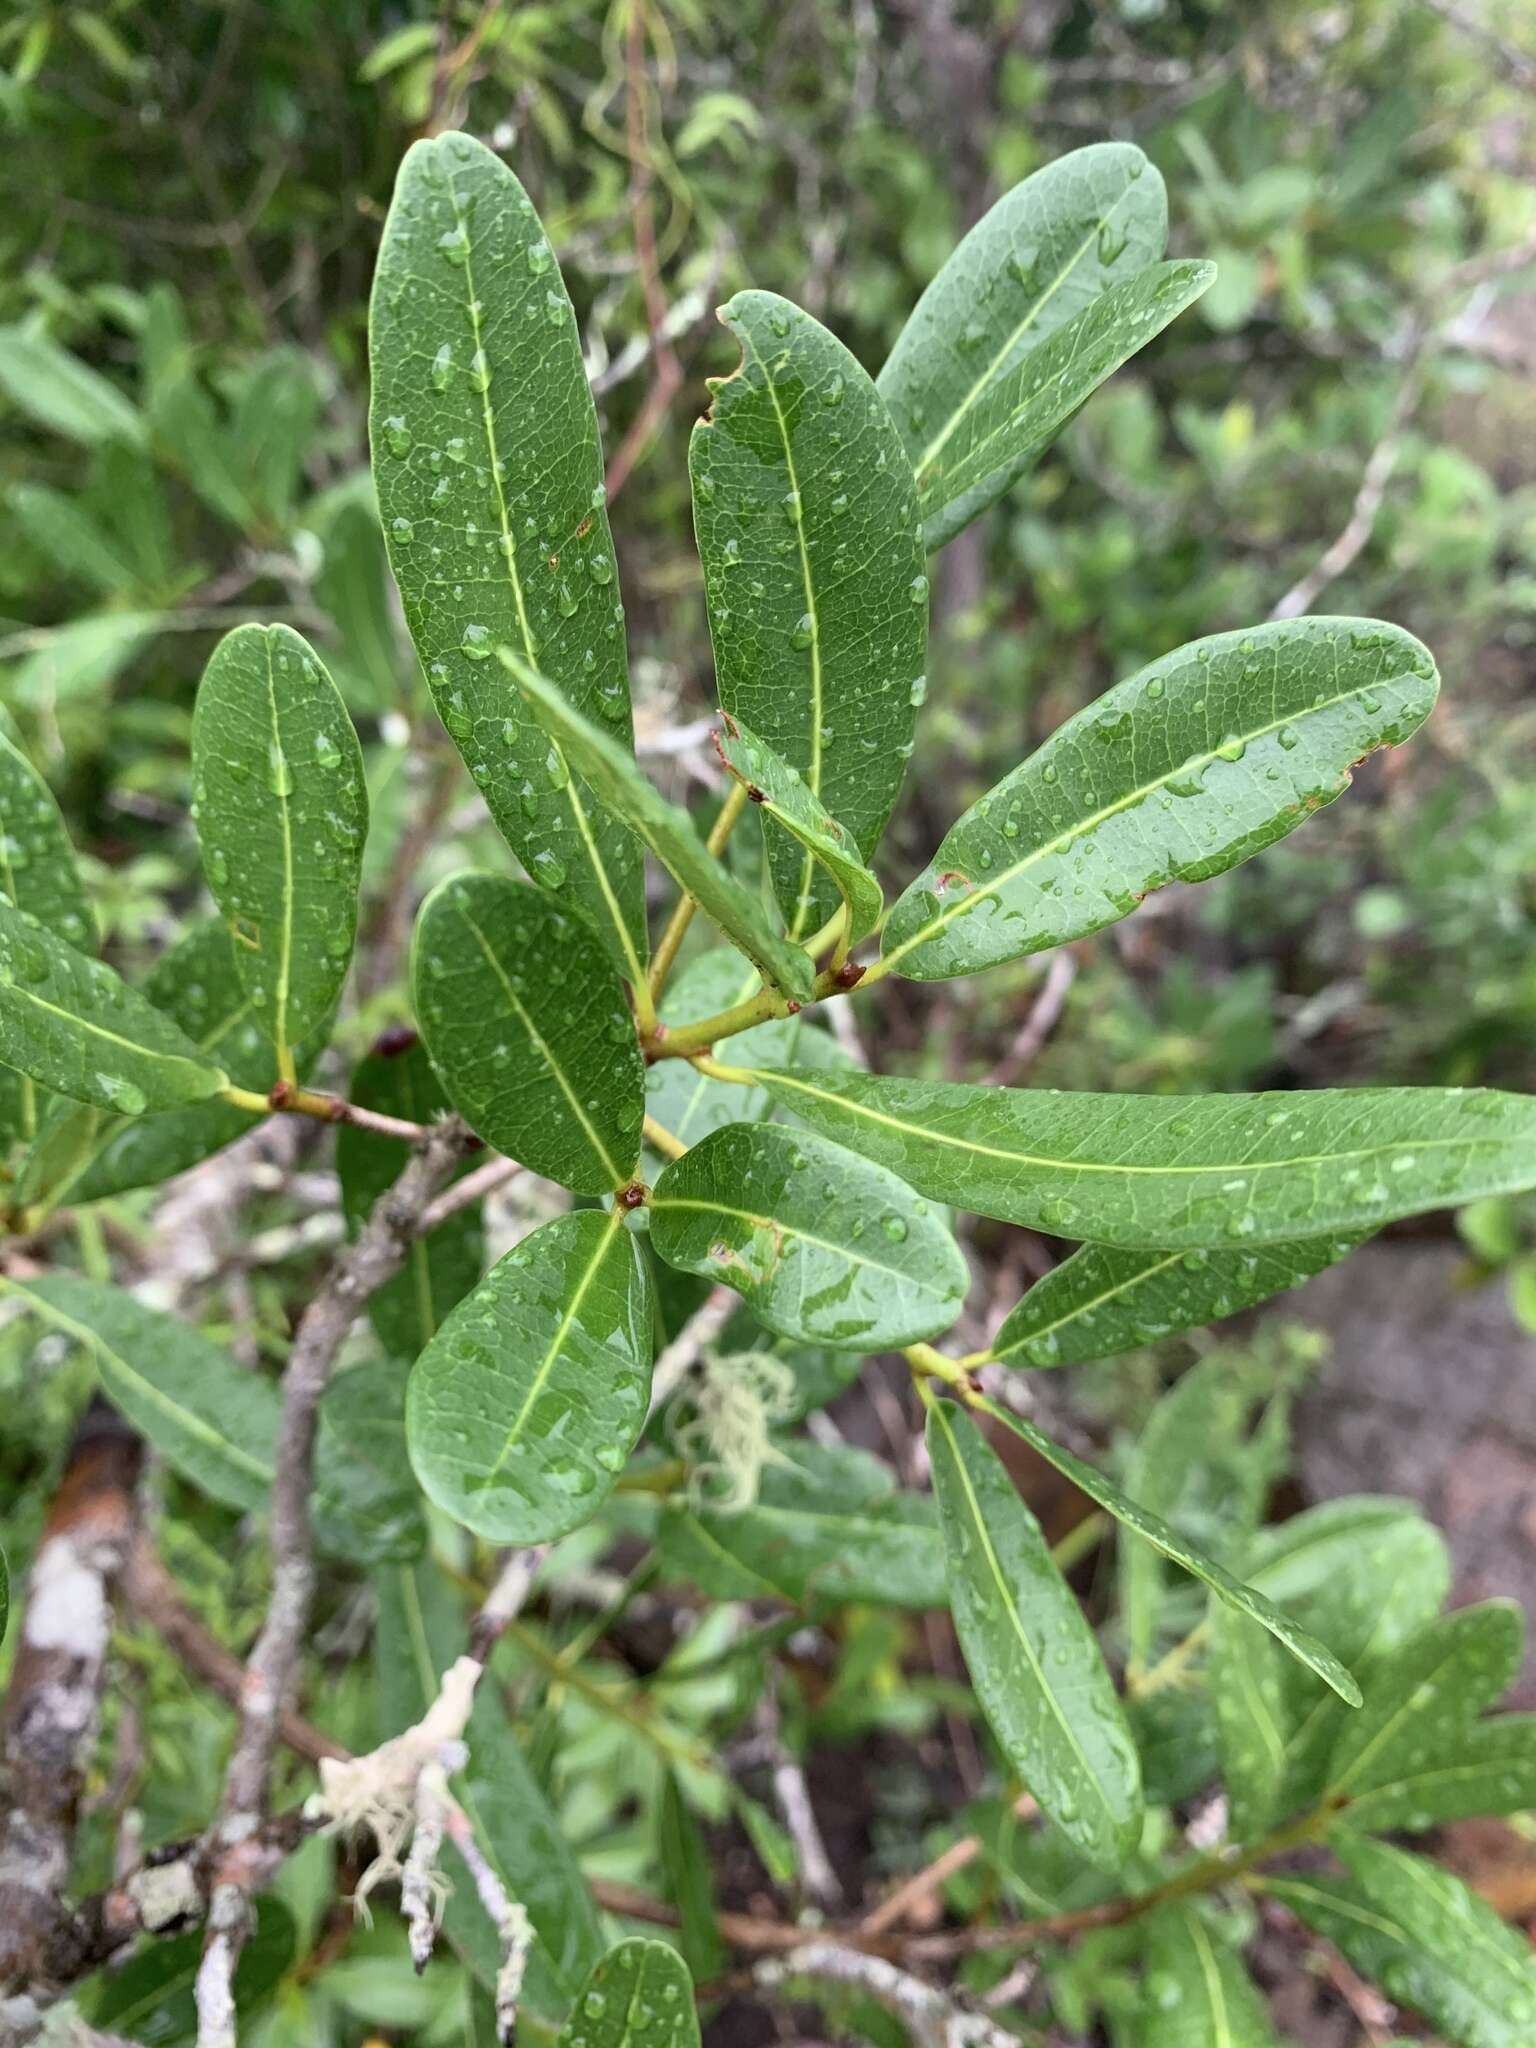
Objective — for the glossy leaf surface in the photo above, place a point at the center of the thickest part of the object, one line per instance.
(815, 573)
(782, 794)
(1489, 1767)
(524, 1407)
(665, 828)
(1036, 260)
(1021, 413)
(1190, 766)
(529, 1030)
(825, 1246)
(639, 1996)
(1424, 1938)
(84, 1154)
(76, 1026)
(282, 813)
(1102, 1301)
(1152, 1529)
(1032, 1657)
(1177, 1171)
(490, 485)
(1247, 1692)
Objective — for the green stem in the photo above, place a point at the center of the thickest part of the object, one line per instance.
(677, 925)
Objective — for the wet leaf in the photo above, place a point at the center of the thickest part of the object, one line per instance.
(282, 813)
(666, 829)
(1102, 1301)
(1195, 1992)
(639, 1996)
(366, 1505)
(38, 875)
(1152, 1529)
(783, 794)
(1489, 1767)
(1426, 1693)
(1427, 1941)
(1177, 1171)
(1190, 766)
(85, 1155)
(1032, 1657)
(1041, 256)
(815, 575)
(525, 1406)
(690, 1884)
(529, 1030)
(689, 1104)
(1021, 411)
(77, 1027)
(490, 484)
(440, 1268)
(825, 1247)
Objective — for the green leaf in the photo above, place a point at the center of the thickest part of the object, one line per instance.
(690, 1881)
(1362, 1575)
(1197, 1467)
(1196, 1993)
(1427, 1693)
(825, 1247)
(60, 392)
(216, 1423)
(1489, 1767)
(1101, 1301)
(1423, 1937)
(78, 546)
(828, 1525)
(665, 828)
(783, 794)
(1177, 1171)
(1022, 411)
(1037, 259)
(1247, 1692)
(526, 1404)
(1190, 766)
(77, 1027)
(1032, 1656)
(152, 1996)
(5, 1595)
(38, 875)
(815, 574)
(85, 1155)
(639, 1996)
(69, 664)
(439, 1269)
(1315, 1655)
(526, 1847)
(282, 812)
(366, 1505)
(529, 1030)
(490, 483)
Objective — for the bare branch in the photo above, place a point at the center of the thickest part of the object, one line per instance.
(934, 2018)
(51, 1712)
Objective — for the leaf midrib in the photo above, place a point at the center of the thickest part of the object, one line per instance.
(1089, 1307)
(994, 369)
(812, 606)
(1215, 1990)
(507, 551)
(763, 1075)
(546, 1053)
(780, 1228)
(567, 1322)
(82, 1023)
(285, 925)
(1196, 764)
(1004, 1593)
